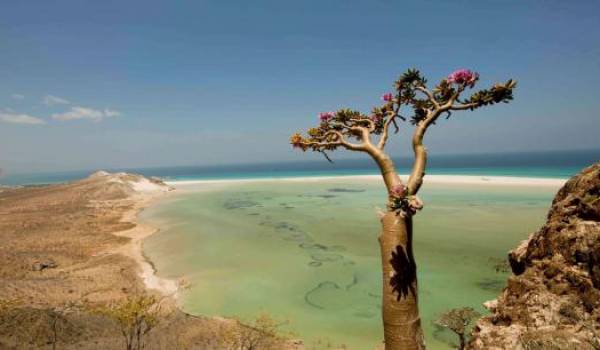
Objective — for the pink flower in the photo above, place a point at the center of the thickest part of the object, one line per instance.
(325, 116)
(397, 191)
(463, 76)
(387, 97)
(375, 118)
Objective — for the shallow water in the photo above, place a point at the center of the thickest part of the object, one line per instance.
(307, 252)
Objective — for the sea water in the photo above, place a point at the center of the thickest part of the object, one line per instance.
(557, 164)
(307, 252)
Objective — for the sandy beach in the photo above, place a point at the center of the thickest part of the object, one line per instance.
(434, 179)
(134, 248)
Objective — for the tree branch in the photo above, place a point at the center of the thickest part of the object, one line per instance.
(351, 146)
(463, 106)
(371, 124)
(326, 156)
(415, 179)
(429, 95)
(385, 133)
(339, 141)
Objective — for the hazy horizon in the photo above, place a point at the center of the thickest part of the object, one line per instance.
(553, 164)
(90, 85)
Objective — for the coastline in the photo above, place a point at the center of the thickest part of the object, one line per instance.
(169, 287)
(433, 179)
(134, 248)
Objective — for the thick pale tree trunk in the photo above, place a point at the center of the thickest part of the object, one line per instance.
(400, 311)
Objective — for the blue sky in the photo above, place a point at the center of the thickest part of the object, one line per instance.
(101, 84)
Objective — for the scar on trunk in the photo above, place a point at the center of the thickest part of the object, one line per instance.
(405, 273)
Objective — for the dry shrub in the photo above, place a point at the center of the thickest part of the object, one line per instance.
(136, 317)
(24, 326)
(263, 333)
(458, 321)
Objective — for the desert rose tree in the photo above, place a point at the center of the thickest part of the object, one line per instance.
(355, 131)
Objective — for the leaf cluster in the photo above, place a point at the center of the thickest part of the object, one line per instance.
(327, 135)
(496, 94)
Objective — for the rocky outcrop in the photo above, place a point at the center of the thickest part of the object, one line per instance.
(552, 300)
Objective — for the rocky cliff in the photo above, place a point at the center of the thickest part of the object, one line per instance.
(552, 300)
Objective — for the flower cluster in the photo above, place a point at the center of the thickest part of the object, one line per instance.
(463, 76)
(387, 97)
(326, 116)
(403, 204)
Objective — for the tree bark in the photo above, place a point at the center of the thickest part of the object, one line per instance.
(401, 321)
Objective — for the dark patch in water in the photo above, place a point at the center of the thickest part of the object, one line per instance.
(300, 237)
(282, 225)
(322, 285)
(315, 263)
(491, 284)
(326, 257)
(253, 214)
(345, 190)
(240, 204)
(353, 283)
(312, 246)
(326, 196)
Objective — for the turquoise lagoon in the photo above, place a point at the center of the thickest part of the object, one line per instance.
(306, 251)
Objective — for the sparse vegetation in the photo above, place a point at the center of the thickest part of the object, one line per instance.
(264, 333)
(136, 316)
(458, 321)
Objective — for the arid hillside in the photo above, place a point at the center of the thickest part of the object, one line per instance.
(552, 300)
(70, 265)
